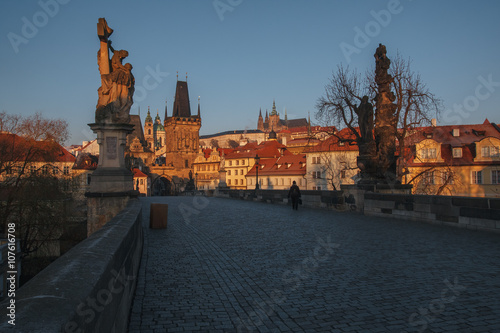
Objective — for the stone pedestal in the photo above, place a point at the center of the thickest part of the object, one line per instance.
(111, 183)
(222, 178)
(355, 194)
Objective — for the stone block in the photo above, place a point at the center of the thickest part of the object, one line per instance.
(158, 216)
(422, 207)
(470, 202)
(482, 223)
(495, 203)
(489, 214)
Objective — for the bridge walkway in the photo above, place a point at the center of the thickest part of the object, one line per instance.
(227, 265)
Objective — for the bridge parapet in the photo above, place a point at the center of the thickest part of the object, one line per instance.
(90, 288)
(464, 212)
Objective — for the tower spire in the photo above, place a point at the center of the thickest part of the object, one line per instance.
(166, 114)
(198, 106)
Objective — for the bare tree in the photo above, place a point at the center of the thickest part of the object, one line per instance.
(214, 143)
(337, 167)
(233, 144)
(30, 194)
(415, 104)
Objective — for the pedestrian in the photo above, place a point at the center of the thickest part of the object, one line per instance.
(294, 194)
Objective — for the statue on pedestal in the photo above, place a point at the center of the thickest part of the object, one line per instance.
(385, 119)
(367, 149)
(117, 81)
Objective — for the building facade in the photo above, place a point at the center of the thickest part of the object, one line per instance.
(461, 160)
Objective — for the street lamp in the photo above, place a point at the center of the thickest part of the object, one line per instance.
(257, 159)
(196, 181)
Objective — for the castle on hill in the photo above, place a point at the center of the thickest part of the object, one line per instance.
(273, 121)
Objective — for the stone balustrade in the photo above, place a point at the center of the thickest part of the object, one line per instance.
(88, 289)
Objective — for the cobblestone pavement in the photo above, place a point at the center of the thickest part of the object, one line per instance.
(227, 265)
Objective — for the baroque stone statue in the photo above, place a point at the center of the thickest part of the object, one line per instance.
(117, 81)
(367, 149)
(385, 120)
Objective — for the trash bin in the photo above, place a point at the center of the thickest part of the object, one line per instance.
(158, 216)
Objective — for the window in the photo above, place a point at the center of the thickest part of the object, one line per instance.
(241, 181)
(229, 182)
(237, 162)
(186, 163)
(89, 178)
(241, 172)
(490, 151)
(477, 177)
(428, 153)
(495, 176)
(142, 181)
(316, 160)
(55, 170)
(230, 163)
(457, 152)
(316, 188)
(448, 177)
(45, 170)
(428, 177)
(289, 181)
(66, 170)
(242, 162)
(342, 173)
(316, 174)
(229, 172)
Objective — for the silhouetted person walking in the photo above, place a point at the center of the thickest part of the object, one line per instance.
(294, 194)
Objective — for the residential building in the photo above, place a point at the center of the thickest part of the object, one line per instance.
(461, 160)
(142, 182)
(278, 173)
(333, 162)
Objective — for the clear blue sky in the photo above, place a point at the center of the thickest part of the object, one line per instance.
(242, 56)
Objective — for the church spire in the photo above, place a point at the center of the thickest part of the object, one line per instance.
(273, 112)
(308, 123)
(148, 117)
(286, 117)
(198, 106)
(166, 114)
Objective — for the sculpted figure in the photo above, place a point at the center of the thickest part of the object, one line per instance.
(365, 119)
(117, 81)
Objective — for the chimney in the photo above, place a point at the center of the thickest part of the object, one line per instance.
(433, 122)
(456, 132)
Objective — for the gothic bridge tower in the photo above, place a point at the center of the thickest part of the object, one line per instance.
(182, 132)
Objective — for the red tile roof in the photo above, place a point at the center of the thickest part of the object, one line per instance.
(333, 143)
(17, 148)
(466, 138)
(267, 149)
(283, 165)
(138, 173)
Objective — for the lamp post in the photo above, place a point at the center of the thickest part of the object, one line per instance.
(257, 159)
(196, 181)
